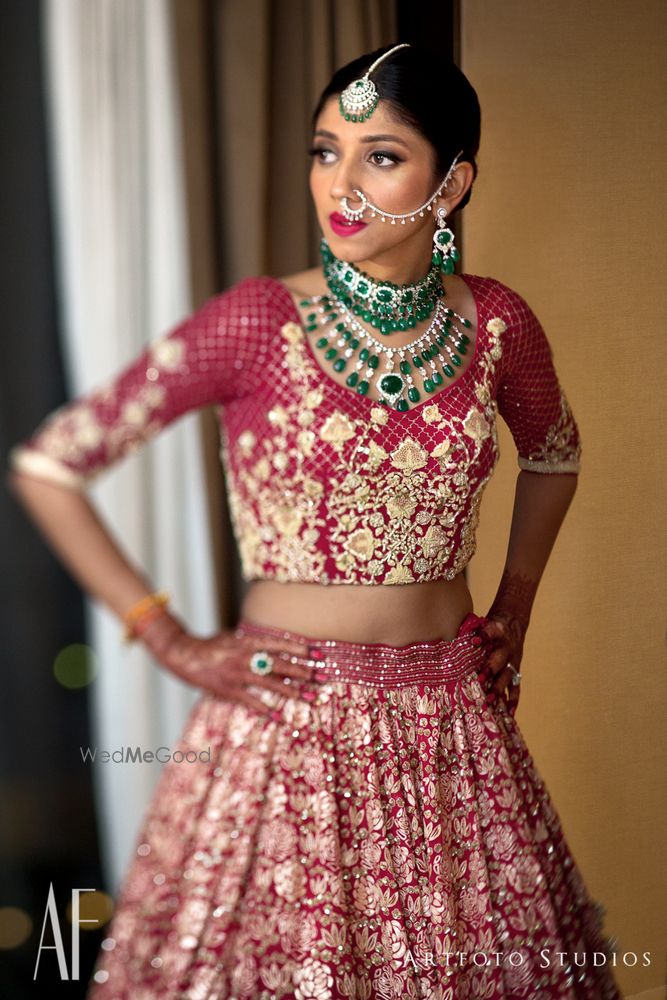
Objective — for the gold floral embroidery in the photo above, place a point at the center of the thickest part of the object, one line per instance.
(475, 426)
(409, 455)
(496, 325)
(335, 507)
(561, 449)
(337, 428)
(292, 333)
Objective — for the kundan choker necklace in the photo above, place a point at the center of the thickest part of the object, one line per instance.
(408, 370)
(386, 306)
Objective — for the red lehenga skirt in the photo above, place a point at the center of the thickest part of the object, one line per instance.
(391, 839)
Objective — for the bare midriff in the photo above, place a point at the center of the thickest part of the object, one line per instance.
(396, 614)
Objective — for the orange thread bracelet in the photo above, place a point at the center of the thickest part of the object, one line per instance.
(146, 608)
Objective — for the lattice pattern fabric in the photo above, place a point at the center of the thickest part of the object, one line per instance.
(326, 485)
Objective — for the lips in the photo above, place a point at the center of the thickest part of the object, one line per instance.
(342, 227)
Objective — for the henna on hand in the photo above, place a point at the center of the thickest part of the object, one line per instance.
(514, 599)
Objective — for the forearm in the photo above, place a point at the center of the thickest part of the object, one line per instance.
(541, 502)
(73, 529)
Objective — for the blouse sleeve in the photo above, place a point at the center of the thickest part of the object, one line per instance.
(530, 398)
(206, 359)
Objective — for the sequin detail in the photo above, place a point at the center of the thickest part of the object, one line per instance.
(346, 849)
(326, 485)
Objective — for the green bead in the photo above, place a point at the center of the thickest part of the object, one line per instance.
(456, 360)
(322, 342)
(402, 325)
(417, 361)
(340, 364)
(331, 353)
(467, 322)
(402, 405)
(437, 378)
(384, 295)
(440, 339)
(340, 327)
(448, 266)
(354, 343)
(347, 335)
(428, 385)
(391, 384)
(305, 302)
(413, 394)
(351, 379)
(455, 255)
(363, 353)
(362, 388)
(426, 354)
(385, 327)
(461, 347)
(464, 338)
(405, 367)
(448, 370)
(374, 361)
(311, 326)
(436, 258)
(366, 315)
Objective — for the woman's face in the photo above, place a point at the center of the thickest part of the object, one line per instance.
(393, 165)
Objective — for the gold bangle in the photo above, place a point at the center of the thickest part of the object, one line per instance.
(136, 613)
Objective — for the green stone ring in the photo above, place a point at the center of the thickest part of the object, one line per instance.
(261, 663)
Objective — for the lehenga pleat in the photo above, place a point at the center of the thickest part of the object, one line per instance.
(391, 839)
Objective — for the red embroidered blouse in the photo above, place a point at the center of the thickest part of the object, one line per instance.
(326, 485)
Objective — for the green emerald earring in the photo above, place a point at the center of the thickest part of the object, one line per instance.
(445, 253)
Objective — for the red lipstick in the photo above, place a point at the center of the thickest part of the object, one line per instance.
(341, 227)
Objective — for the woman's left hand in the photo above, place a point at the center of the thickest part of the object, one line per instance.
(505, 636)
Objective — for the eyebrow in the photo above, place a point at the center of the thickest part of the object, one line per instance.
(366, 138)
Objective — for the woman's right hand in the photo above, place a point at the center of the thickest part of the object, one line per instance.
(220, 664)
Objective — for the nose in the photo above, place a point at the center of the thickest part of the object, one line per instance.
(343, 183)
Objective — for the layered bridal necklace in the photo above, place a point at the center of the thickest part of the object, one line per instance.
(409, 371)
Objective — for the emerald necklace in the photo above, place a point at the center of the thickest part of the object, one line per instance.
(408, 371)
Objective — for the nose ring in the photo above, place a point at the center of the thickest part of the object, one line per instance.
(354, 214)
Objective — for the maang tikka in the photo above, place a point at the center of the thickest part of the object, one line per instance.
(359, 100)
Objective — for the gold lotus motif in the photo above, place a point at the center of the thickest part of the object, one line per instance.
(475, 425)
(442, 450)
(399, 574)
(337, 428)
(431, 413)
(409, 455)
(379, 415)
(361, 543)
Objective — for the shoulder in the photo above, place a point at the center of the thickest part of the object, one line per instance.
(500, 299)
(262, 299)
(310, 282)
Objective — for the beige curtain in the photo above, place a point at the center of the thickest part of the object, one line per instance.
(251, 73)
